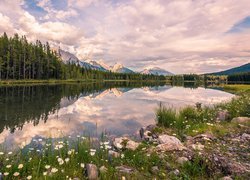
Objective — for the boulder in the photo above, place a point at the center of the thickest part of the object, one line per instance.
(245, 136)
(91, 171)
(241, 119)
(112, 153)
(125, 143)
(124, 169)
(223, 116)
(169, 143)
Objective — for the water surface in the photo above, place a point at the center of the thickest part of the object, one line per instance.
(46, 111)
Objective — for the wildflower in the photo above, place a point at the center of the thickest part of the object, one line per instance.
(67, 160)
(40, 140)
(8, 166)
(47, 166)
(83, 138)
(92, 153)
(20, 166)
(106, 143)
(7, 159)
(60, 161)
(6, 173)
(54, 170)
(29, 177)
(123, 178)
(1, 153)
(82, 165)
(122, 156)
(16, 174)
(45, 173)
(107, 147)
(78, 136)
(9, 153)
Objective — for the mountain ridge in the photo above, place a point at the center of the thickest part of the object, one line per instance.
(240, 69)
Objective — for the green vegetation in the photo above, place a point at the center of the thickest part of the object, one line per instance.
(21, 60)
(237, 88)
(239, 77)
(193, 120)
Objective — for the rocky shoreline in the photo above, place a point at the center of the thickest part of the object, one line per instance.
(226, 156)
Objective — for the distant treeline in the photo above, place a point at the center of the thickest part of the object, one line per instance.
(20, 59)
(241, 77)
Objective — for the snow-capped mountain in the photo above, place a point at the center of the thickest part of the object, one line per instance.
(67, 56)
(101, 65)
(156, 71)
(119, 68)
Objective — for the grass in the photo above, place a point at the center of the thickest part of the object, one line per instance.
(236, 88)
(193, 120)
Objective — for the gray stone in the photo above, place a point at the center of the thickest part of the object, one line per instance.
(169, 143)
(175, 172)
(112, 153)
(182, 160)
(226, 178)
(241, 119)
(223, 116)
(92, 172)
(150, 127)
(124, 169)
(245, 136)
(155, 169)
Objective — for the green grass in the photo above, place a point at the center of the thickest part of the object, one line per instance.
(191, 120)
(237, 88)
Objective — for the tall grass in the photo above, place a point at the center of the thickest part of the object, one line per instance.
(191, 120)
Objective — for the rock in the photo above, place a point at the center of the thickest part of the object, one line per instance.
(175, 172)
(92, 171)
(112, 153)
(141, 133)
(155, 169)
(245, 136)
(150, 127)
(241, 119)
(132, 145)
(126, 143)
(226, 178)
(198, 146)
(223, 116)
(182, 160)
(103, 169)
(124, 169)
(169, 143)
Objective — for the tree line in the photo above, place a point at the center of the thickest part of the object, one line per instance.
(20, 59)
(240, 77)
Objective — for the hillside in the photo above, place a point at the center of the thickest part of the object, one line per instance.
(240, 69)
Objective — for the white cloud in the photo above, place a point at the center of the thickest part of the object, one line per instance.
(129, 31)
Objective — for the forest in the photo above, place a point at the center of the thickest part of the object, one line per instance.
(20, 59)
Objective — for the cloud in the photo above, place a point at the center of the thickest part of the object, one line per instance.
(181, 31)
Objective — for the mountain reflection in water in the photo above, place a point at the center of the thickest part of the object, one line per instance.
(71, 109)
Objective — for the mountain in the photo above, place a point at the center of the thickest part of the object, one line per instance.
(67, 56)
(119, 68)
(156, 71)
(240, 69)
(99, 64)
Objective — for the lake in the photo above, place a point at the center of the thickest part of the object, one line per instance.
(67, 110)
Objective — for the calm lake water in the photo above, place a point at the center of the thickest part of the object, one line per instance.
(45, 111)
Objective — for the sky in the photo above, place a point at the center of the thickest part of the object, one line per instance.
(181, 36)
